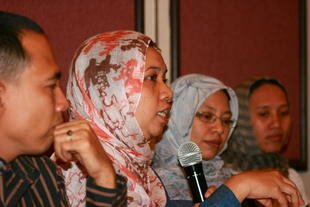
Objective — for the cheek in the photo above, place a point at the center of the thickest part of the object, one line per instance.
(258, 127)
(197, 131)
(224, 138)
(149, 99)
(287, 125)
(200, 132)
(148, 108)
(145, 112)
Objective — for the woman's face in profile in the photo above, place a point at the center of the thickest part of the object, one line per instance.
(154, 105)
(270, 117)
(211, 124)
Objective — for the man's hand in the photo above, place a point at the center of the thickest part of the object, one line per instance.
(76, 141)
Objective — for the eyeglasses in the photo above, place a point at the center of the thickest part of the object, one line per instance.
(210, 118)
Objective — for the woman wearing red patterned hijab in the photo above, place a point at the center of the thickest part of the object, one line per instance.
(117, 83)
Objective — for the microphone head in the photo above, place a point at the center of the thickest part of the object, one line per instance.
(189, 154)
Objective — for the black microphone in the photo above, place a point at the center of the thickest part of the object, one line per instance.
(190, 158)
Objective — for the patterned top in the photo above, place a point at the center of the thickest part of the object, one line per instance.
(104, 87)
(36, 181)
(190, 91)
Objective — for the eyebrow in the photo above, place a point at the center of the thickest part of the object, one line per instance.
(165, 70)
(214, 109)
(153, 68)
(267, 106)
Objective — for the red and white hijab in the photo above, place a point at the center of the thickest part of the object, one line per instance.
(104, 87)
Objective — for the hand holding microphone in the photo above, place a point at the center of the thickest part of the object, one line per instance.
(190, 158)
(262, 185)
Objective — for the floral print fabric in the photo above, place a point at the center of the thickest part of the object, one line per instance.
(104, 87)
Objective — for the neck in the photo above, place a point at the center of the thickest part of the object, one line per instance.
(7, 157)
(8, 152)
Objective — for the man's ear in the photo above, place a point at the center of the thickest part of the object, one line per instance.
(2, 92)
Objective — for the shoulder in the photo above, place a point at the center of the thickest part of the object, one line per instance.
(43, 164)
(34, 161)
(296, 178)
(43, 161)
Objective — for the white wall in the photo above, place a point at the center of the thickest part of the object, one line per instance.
(156, 18)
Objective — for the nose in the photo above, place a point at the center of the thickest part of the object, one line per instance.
(166, 93)
(218, 126)
(61, 103)
(275, 121)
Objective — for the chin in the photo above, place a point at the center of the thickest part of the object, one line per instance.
(45, 147)
(207, 157)
(44, 150)
(275, 149)
(158, 133)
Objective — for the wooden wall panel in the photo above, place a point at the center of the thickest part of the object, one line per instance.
(69, 22)
(235, 40)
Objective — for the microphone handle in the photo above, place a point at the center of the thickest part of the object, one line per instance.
(197, 181)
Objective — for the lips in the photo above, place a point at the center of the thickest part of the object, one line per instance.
(214, 143)
(164, 114)
(275, 137)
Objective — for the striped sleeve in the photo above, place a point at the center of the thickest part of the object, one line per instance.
(31, 181)
(12, 186)
(100, 196)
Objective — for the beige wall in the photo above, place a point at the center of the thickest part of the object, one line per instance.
(306, 175)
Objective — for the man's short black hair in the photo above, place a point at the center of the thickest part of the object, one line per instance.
(13, 57)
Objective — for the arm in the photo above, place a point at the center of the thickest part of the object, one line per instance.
(3, 178)
(222, 197)
(265, 186)
(82, 146)
(100, 196)
(12, 185)
(262, 185)
(295, 177)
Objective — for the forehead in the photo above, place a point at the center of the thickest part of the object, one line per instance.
(267, 93)
(39, 53)
(216, 100)
(154, 58)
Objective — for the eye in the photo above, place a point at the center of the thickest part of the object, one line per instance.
(205, 116)
(263, 114)
(152, 77)
(52, 86)
(208, 116)
(163, 78)
(227, 122)
(285, 112)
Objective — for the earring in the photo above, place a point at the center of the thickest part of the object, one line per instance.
(1, 107)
